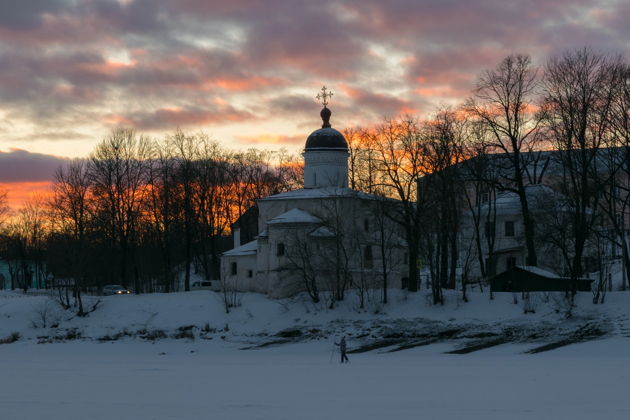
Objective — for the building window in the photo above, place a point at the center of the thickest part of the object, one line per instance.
(485, 197)
(489, 229)
(509, 228)
(368, 260)
(510, 262)
(490, 266)
(234, 268)
(366, 225)
(250, 273)
(280, 249)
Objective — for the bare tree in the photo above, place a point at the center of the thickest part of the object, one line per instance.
(614, 180)
(480, 193)
(118, 174)
(388, 241)
(504, 105)
(304, 258)
(4, 208)
(442, 198)
(164, 209)
(579, 92)
(212, 203)
(400, 163)
(343, 249)
(71, 212)
(27, 234)
(186, 151)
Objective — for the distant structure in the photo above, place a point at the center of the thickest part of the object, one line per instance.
(324, 237)
(325, 153)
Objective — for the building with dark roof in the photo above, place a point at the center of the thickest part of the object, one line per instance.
(321, 237)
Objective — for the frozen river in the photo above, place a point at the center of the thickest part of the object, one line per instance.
(214, 380)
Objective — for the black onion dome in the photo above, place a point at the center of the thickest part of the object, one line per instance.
(326, 137)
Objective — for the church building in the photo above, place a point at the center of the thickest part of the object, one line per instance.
(323, 237)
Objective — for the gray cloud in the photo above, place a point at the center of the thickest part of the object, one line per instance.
(21, 166)
(153, 63)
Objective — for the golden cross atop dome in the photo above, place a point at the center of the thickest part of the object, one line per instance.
(324, 96)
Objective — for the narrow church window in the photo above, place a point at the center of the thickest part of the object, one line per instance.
(490, 266)
(489, 229)
(511, 262)
(366, 225)
(234, 268)
(280, 249)
(250, 273)
(367, 257)
(509, 228)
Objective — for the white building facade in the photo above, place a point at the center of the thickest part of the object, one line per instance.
(319, 238)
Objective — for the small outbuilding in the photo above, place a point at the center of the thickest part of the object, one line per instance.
(534, 279)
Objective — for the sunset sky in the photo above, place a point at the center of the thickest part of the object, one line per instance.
(246, 71)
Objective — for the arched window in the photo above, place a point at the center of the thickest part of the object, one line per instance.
(234, 268)
(280, 249)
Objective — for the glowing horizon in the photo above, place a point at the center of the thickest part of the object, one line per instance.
(246, 72)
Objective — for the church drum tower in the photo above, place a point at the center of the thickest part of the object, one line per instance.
(325, 154)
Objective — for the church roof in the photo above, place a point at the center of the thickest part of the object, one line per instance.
(294, 216)
(326, 192)
(263, 234)
(249, 248)
(326, 138)
(323, 232)
(508, 203)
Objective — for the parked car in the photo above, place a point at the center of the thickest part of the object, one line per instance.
(115, 289)
(201, 285)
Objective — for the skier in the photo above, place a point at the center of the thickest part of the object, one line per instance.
(342, 349)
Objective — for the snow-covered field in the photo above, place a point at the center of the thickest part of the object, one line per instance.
(94, 374)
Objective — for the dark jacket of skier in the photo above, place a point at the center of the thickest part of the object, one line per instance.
(342, 349)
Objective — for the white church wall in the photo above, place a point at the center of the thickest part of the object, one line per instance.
(325, 168)
(239, 273)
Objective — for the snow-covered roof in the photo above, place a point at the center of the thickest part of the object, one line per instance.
(510, 203)
(294, 216)
(250, 248)
(323, 232)
(397, 240)
(263, 234)
(539, 271)
(326, 192)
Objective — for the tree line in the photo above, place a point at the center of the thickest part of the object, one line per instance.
(564, 124)
(139, 211)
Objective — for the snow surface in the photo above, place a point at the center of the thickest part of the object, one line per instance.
(247, 249)
(325, 192)
(213, 380)
(539, 271)
(294, 216)
(323, 232)
(210, 377)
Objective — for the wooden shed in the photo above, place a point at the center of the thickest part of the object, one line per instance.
(534, 279)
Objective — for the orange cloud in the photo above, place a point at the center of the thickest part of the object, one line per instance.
(243, 84)
(438, 91)
(272, 139)
(20, 192)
